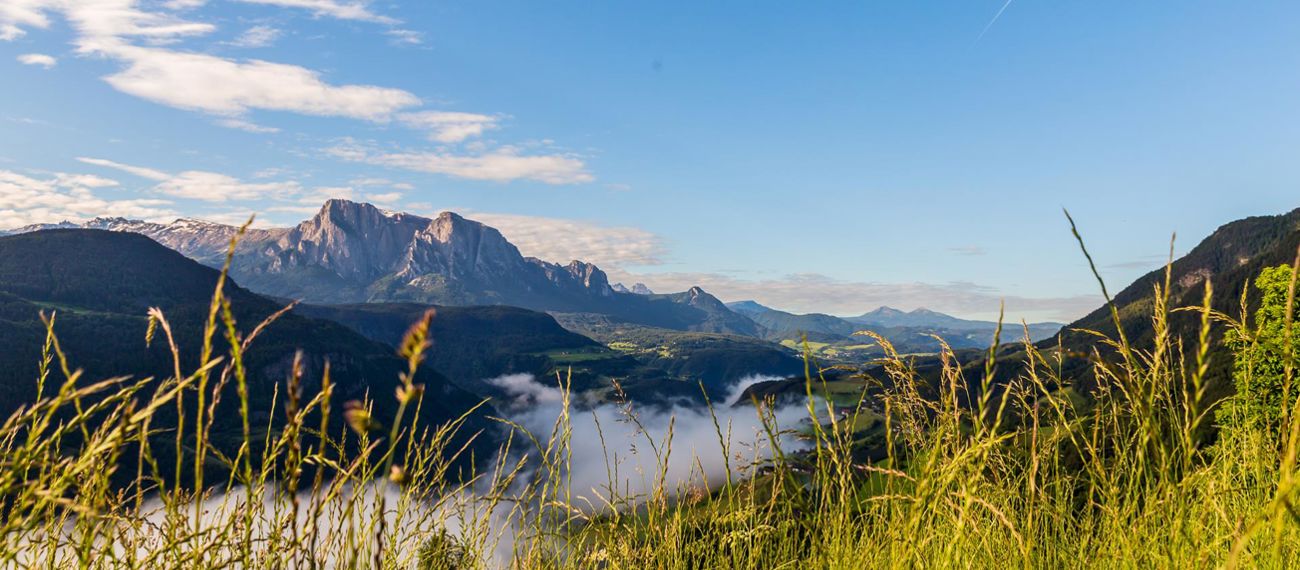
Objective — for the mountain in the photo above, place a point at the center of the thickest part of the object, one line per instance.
(639, 289)
(888, 317)
(781, 325)
(353, 252)
(1230, 258)
(100, 284)
(205, 242)
(908, 331)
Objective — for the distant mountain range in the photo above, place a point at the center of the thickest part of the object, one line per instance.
(909, 331)
(350, 253)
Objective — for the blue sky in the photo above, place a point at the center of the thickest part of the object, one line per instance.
(815, 156)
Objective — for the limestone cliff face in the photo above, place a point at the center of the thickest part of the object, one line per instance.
(370, 254)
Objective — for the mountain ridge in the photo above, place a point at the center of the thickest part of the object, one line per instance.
(352, 252)
(98, 285)
(910, 331)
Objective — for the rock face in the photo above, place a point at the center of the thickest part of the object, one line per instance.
(352, 252)
(639, 289)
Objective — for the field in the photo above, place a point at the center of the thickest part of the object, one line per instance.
(971, 470)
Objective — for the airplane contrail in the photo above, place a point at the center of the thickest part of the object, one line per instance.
(994, 20)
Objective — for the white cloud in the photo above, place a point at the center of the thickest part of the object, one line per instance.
(102, 25)
(184, 4)
(317, 196)
(239, 218)
(370, 182)
(557, 239)
(409, 37)
(216, 187)
(231, 89)
(343, 10)
(206, 186)
(211, 84)
(25, 200)
(449, 127)
(40, 59)
(64, 180)
(256, 37)
(248, 126)
(383, 198)
(500, 164)
(140, 171)
(197, 81)
(17, 14)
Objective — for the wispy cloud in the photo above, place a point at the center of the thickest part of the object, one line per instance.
(28, 200)
(43, 60)
(217, 187)
(256, 37)
(343, 10)
(968, 250)
(205, 186)
(449, 127)
(247, 126)
(141, 37)
(215, 85)
(502, 164)
(1147, 262)
(563, 240)
(140, 171)
(403, 36)
(203, 82)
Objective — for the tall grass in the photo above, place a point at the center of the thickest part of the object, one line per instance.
(980, 469)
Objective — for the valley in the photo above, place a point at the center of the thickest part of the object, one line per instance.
(498, 312)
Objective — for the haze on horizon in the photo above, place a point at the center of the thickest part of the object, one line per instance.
(810, 158)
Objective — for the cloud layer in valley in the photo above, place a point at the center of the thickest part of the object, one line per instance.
(607, 443)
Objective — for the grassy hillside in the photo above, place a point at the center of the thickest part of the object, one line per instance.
(1228, 260)
(99, 285)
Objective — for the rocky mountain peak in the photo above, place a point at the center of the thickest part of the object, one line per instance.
(106, 221)
(450, 226)
(697, 297)
(590, 276)
(638, 288)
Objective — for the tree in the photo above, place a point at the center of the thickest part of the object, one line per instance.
(1263, 390)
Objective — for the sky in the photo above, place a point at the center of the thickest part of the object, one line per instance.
(829, 157)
